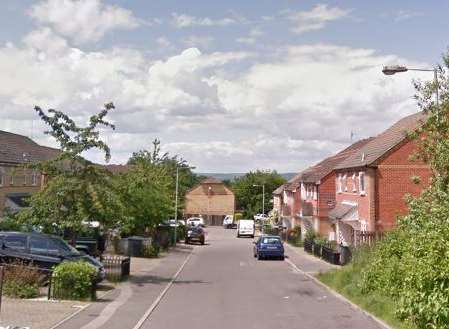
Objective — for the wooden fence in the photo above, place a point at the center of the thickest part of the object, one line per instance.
(366, 238)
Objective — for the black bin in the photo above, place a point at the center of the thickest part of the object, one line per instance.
(345, 255)
(135, 246)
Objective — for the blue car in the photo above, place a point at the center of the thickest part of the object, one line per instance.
(269, 246)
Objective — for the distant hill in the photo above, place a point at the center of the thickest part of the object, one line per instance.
(232, 176)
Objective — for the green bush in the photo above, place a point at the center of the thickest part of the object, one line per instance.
(21, 281)
(237, 216)
(310, 235)
(73, 280)
(410, 265)
(151, 251)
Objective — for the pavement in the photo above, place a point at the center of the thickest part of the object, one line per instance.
(221, 285)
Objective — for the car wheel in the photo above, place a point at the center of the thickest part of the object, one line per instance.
(186, 241)
(282, 257)
(238, 235)
(252, 236)
(259, 257)
(202, 241)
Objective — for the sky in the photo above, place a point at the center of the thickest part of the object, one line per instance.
(230, 86)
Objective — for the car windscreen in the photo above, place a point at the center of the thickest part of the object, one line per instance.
(60, 246)
(271, 241)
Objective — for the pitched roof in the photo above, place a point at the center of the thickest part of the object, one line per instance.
(382, 143)
(117, 168)
(18, 149)
(340, 211)
(322, 169)
(280, 189)
(211, 180)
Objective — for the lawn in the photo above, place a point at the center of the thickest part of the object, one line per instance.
(345, 281)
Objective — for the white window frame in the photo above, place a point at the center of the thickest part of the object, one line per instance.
(345, 182)
(34, 178)
(315, 192)
(11, 179)
(2, 177)
(362, 190)
(339, 187)
(354, 186)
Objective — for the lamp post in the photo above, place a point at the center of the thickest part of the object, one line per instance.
(263, 200)
(176, 198)
(393, 69)
(208, 205)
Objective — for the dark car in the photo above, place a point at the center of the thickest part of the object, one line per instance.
(41, 250)
(195, 233)
(269, 246)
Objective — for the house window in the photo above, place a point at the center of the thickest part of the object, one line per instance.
(345, 182)
(354, 187)
(339, 187)
(34, 179)
(2, 176)
(315, 193)
(362, 182)
(11, 179)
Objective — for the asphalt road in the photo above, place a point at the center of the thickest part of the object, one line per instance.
(223, 286)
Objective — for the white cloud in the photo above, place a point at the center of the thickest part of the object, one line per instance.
(247, 40)
(82, 20)
(403, 15)
(183, 21)
(223, 111)
(316, 18)
(163, 42)
(202, 41)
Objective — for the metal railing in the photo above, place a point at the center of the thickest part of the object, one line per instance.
(117, 268)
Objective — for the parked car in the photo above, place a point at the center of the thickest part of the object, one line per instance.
(195, 221)
(195, 233)
(173, 223)
(261, 217)
(246, 227)
(228, 221)
(269, 246)
(42, 250)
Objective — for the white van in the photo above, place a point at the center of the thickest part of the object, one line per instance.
(245, 227)
(228, 221)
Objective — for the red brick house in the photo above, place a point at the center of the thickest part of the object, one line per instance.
(16, 182)
(317, 191)
(371, 184)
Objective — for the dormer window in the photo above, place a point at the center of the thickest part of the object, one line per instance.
(354, 187)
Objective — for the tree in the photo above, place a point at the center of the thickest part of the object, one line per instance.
(249, 197)
(410, 265)
(155, 157)
(145, 190)
(76, 190)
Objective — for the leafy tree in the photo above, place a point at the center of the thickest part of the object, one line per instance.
(411, 265)
(155, 157)
(249, 197)
(76, 190)
(146, 191)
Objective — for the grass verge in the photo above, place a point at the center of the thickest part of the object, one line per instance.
(345, 281)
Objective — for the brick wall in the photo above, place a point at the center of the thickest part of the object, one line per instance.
(21, 183)
(393, 178)
(220, 201)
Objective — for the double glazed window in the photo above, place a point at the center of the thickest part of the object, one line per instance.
(362, 182)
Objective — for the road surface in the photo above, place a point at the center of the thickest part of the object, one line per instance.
(224, 286)
(221, 286)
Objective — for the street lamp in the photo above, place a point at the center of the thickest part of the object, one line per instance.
(263, 200)
(393, 69)
(208, 205)
(176, 197)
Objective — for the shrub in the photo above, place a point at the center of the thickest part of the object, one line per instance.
(151, 251)
(310, 235)
(238, 216)
(73, 280)
(21, 281)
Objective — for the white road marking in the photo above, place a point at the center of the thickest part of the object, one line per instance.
(161, 295)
